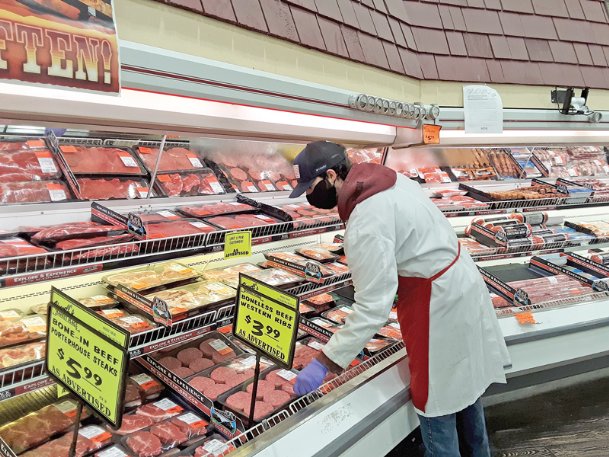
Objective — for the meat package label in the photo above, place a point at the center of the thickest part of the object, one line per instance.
(266, 323)
(87, 355)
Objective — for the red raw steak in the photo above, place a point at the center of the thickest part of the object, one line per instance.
(104, 189)
(60, 232)
(99, 160)
(145, 444)
(173, 159)
(177, 228)
(33, 192)
(31, 165)
(169, 434)
(134, 422)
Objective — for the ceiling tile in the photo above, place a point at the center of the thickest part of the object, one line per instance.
(598, 57)
(279, 19)
(570, 30)
(457, 16)
(194, 5)
(373, 50)
(393, 57)
(518, 48)
(348, 13)
(563, 52)
(428, 40)
(447, 20)
(396, 9)
(381, 25)
(222, 9)
(595, 77)
(428, 66)
(538, 27)
(482, 21)
(364, 19)
(423, 14)
(501, 49)
(575, 9)
(352, 42)
(539, 50)
(308, 28)
(511, 23)
(521, 6)
(521, 72)
(396, 30)
(583, 53)
(333, 37)
(478, 45)
(249, 14)
(550, 8)
(411, 64)
(456, 43)
(330, 9)
(593, 10)
(560, 74)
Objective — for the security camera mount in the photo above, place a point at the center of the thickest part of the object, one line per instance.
(568, 103)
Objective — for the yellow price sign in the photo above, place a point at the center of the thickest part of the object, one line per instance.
(268, 325)
(86, 362)
(238, 244)
(61, 391)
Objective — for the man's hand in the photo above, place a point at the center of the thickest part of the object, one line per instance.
(310, 378)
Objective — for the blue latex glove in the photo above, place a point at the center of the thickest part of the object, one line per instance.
(310, 378)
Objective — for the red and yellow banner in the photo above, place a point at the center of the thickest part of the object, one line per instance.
(60, 42)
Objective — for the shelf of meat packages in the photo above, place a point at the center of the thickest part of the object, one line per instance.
(571, 162)
(22, 366)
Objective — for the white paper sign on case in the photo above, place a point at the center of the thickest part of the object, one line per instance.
(482, 109)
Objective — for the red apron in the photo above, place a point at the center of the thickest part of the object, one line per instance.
(414, 295)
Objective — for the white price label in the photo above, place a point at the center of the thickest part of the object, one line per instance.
(113, 451)
(395, 325)
(248, 362)
(263, 217)
(216, 187)
(10, 314)
(190, 418)
(216, 287)
(165, 404)
(558, 160)
(57, 195)
(177, 267)
(67, 407)
(133, 320)
(393, 315)
(142, 378)
(315, 345)
(195, 162)
(218, 345)
(35, 324)
(269, 186)
(287, 375)
(128, 161)
(552, 280)
(286, 186)
(346, 309)
(91, 432)
(167, 214)
(47, 165)
(252, 189)
(216, 447)
(199, 224)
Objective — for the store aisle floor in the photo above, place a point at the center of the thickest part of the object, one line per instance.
(570, 422)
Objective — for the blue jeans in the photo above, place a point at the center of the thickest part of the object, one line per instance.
(462, 434)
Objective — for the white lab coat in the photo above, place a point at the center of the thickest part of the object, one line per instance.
(399, 231)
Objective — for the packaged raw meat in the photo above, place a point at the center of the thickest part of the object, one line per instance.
(180, 227)
(309, 269)
(191, 424)
(90, 439)
(214, 446)
(134, 422)
(160, 410)
(524, 158)
(113, 451)
(503, 162)
(321, 302)
(21, 144)
(24, 353)
(96, 160)
(573, 161)
(35, 428)
(476, 249)
(317, 253)
(202, 182)
(305, 351)
(33, 192)
(338, 315)
(149, 387)
(214, 209)
(17, 247)
(194, 296)
(133, 323)
(230, 275)
(143, 444)
(305, 309)
(10, 315)
(24, 330)
(375, 345)
(370, 155)
(169, 434)
(337, 268)
(103, 252)
(163, 215)
(276, 277)
(60, 232)
(133, 398)
(31, 165)
(112, 188)
(163, 274)
(173, 158)
(391, 330)
(241, 221)
(326, 324)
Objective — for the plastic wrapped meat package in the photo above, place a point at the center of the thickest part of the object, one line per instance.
(370, 155)
(230, 275)
(524, 158)
(26, 329)
(133, 323)
(55, 233)
(194, 296)
(28, 165)
(239, 221)
(162, 274)
(97, 160)
(90, 439)
(214, 446)
(215, 209)
(503, 163)
(306, 215)
(184, 184)
(551, 288)
(112, 188)
(254, 170)
(573, 161)
(317, 253)
(163, 215)
(33, 192)
(321, 302)
(391, 330)
(476, 249)
(21, 144)
(179, 227)
(17, 247)
(24, 353)
(338, 315)
(276, 277)
(326, 324)
(174, 158)
(298, 263)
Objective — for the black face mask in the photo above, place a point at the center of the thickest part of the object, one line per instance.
(323, 195)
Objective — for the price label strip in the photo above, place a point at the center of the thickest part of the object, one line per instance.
(238, 244)
(267, 321)
(87, 356)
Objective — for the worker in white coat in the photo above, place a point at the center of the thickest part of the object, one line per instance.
(397, 241)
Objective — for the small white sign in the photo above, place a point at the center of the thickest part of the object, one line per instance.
(482, 109)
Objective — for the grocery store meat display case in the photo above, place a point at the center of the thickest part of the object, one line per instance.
(365, 411)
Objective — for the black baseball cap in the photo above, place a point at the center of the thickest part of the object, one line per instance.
(313, 161)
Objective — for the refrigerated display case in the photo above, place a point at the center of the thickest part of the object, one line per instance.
(365, 410)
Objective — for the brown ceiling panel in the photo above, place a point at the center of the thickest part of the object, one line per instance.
(553, 42)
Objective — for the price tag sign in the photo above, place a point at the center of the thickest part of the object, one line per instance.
(238, 244)
(87, 360)
(525, 318)
(267, 324)
(431, 133)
